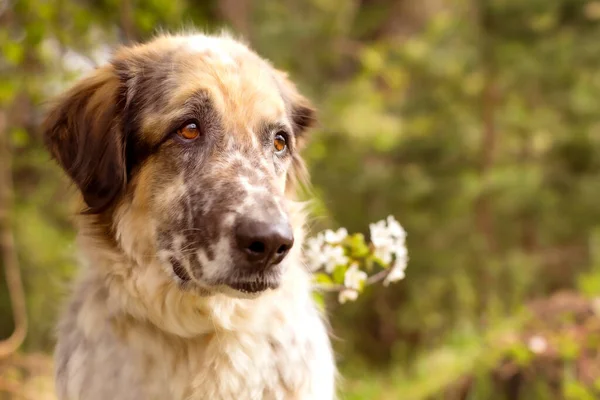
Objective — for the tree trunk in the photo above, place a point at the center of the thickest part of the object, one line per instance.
(483, 207)
(127, 24)
(238, 13)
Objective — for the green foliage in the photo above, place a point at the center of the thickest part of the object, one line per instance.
(474, 123)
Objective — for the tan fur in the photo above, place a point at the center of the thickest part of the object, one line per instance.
(134, 330)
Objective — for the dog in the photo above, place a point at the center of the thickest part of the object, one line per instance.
(185, 154)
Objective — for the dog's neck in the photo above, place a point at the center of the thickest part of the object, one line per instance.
(138, 288)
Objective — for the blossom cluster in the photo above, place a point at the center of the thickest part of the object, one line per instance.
(342, 262)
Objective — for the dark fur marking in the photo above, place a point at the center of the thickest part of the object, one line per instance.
(179, 269)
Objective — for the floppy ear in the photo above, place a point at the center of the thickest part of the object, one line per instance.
(303, 116)
(83, 132)
(301, 111)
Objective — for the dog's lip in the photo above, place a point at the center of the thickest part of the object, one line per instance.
(252, 287)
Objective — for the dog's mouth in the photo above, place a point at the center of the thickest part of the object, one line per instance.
(247, 285)
(233, 289)
(251, 284)
(242, 280)
(253, 287)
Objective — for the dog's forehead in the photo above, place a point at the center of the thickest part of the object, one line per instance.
(221, 50)
(242, 86)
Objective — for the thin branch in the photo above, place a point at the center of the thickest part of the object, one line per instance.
(127, 22)
(378, 277)
(7, 248)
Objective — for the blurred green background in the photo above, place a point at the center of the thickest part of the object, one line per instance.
(475, 122)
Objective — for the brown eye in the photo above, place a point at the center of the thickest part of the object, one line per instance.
(189, 131)
(279, 143)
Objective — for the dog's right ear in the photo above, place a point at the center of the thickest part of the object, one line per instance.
(83, 132)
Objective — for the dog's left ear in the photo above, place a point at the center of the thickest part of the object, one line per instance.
(83, 133)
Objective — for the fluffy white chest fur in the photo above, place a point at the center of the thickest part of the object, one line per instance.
(164, 344)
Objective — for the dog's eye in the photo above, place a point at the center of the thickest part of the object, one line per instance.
(279, 143)
(189, 131)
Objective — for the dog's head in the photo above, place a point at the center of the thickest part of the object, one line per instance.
(184, 149)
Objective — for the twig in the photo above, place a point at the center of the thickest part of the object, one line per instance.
(378, 277)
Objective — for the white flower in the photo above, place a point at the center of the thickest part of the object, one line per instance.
(354, 277)
(395, 229)
(379, 234)
(314, 252)
(347, 294)
(396, 272)
(384, 253)
(316, 241)
(335, 237)
(386, 231)
(334, 256)
(537, 344)
(320, 254)
(388, 237)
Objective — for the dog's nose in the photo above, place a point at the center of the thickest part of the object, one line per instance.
(264, 243)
